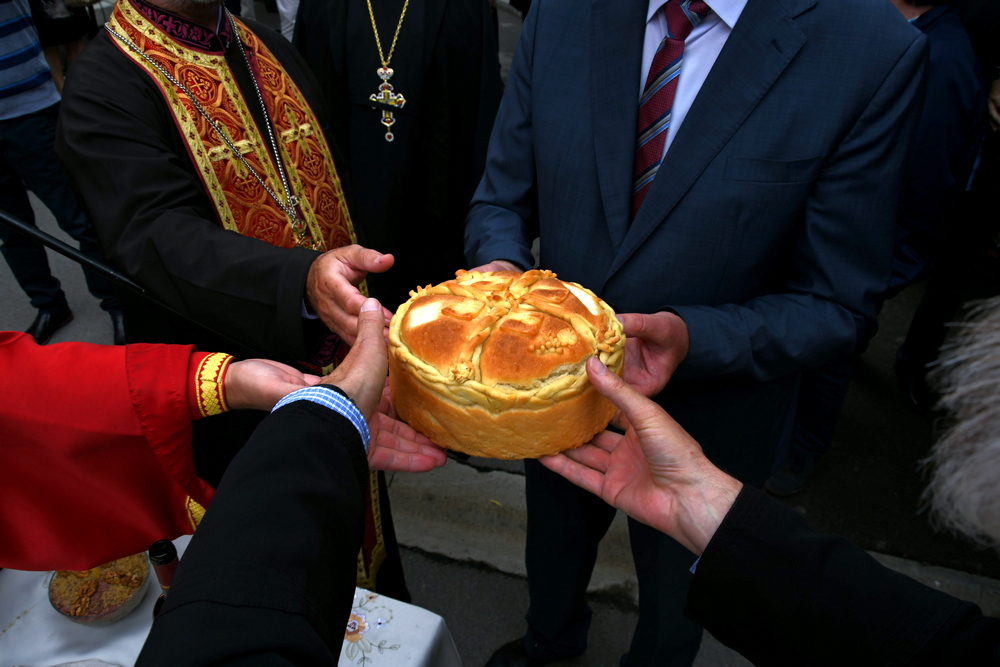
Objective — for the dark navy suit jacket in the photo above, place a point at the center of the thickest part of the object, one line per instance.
(769, 225)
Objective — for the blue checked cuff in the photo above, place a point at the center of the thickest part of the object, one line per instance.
(332, 399)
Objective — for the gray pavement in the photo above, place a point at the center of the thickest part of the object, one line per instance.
(462, 527)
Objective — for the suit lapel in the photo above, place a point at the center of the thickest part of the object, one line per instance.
(761, 46)
(615, 60)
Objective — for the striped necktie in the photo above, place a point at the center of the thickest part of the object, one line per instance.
(657, 99)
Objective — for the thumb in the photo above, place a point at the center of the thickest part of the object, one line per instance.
(362, 373)
(370, 344)
(640, 411)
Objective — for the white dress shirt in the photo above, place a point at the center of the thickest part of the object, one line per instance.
(701, 48)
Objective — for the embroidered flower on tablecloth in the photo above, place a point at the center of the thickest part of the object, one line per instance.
(356, 645)
(356, 626)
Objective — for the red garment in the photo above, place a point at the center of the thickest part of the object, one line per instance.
(95, 450)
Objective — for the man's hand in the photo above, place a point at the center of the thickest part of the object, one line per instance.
(332, 286)
(362, 373)
(498, 265)
(396, 446)
(656, 473)
(259, 383)
(362, 376)
(654, 346)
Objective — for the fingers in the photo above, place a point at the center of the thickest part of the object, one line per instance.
(633, 324)
(332, 286)
(606, 440)
(591, 456)
(397, 447)
(364, 259)
(403, 433)
(650, 327)
(577, 473)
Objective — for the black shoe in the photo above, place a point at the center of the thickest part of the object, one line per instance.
(513, 654)
(117, 326)
(47, 322)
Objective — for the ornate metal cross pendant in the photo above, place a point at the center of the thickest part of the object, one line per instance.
(386, 97)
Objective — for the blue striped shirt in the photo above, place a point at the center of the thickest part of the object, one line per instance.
(335, 401)
(25, 79)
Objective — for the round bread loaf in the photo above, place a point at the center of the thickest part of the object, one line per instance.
(493, 364)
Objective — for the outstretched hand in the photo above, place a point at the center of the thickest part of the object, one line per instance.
(656, 473)
(654, 346)
(362, 376)
(396, 446)
(332, 286)
(260, 383)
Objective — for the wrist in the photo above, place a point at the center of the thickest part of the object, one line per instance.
(703, 505)
(210, 391)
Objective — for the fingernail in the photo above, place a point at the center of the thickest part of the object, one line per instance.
(370, 304)
(598, 366)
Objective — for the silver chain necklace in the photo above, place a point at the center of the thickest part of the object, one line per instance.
(291, 201)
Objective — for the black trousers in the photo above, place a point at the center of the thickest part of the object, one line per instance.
(565, 526)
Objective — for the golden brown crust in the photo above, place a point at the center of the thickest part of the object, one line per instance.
(493, 364)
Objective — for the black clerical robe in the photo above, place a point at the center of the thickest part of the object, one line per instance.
(411, 195)
(155, 219)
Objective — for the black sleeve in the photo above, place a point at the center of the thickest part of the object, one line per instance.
(154, 220)
(781, 593)
(269, 576)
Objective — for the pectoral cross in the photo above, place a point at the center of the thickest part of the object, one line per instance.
(386, 97)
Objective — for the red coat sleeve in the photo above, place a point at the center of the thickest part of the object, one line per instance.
(95, 448)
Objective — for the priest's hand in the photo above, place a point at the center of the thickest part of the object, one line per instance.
(332, 286)
(656, 473)
(394, 445)
(258, 384)
(654, 346)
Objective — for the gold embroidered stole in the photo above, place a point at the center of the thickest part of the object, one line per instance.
(240, 202)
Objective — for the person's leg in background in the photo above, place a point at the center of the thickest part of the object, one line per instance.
(822, 392)
(664, 636)
(31, 154)
(565, 527)
(27, 259)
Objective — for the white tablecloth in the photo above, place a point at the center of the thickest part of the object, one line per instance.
(382, 632)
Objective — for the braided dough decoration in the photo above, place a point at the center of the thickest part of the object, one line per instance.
(493, 363)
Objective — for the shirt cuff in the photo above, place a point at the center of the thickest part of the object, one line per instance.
(209, 373)
(330, 397)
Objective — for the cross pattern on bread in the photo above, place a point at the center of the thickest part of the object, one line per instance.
(500, 342)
